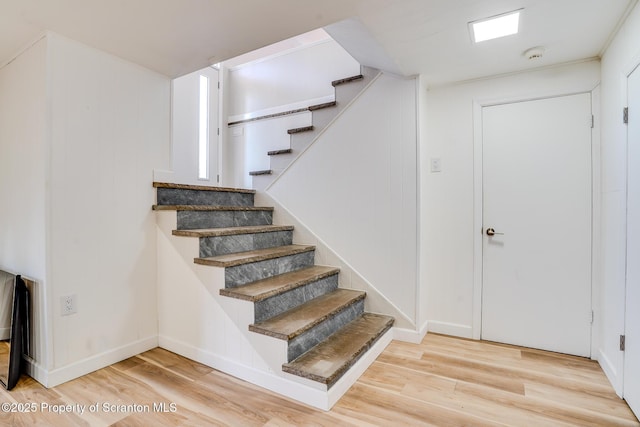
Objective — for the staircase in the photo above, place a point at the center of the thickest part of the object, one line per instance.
(345, 90)
(325, 328)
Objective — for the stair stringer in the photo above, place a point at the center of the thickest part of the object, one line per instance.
(349, 277)
(196, 322)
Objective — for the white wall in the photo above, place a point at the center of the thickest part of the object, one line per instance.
(109, 128)
(618, 61)
(294, 76)
(355, 188)
(23, 173)
(447, 197)
(22, 163)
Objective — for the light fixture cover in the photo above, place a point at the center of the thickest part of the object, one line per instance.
(534, 53)
(502, 25)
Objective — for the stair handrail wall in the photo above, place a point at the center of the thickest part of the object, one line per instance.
(406, 327)
(350, 278)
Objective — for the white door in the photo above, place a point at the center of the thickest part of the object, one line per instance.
(194, 127)
(632, 313)
(536, 289)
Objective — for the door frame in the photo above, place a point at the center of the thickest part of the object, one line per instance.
(634, 68)
(478, 236)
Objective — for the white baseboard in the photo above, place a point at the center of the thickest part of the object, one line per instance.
(299, 389)
(36, 371)
(610, 371)
(453, 329)
(82, 367)
(410, 335)
(293, 390)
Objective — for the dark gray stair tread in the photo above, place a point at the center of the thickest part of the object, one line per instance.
(209, 208)
(346, 80)
(202, 188)
(276, 152)
(263, 172)
(321, 106)
(240, 258)
(329, 360)
(298, 130)
(272, 286)
(294, 322)
(231, 231)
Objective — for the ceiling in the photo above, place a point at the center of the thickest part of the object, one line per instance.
(408, 37)
(432, 37)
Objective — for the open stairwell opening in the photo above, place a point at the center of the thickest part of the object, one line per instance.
(300, 138)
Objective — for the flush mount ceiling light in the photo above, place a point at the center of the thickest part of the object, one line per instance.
(502, 25)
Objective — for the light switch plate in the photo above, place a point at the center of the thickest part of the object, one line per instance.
(436, 164)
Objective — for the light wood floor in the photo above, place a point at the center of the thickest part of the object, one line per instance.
(4, 360)
(443, 381)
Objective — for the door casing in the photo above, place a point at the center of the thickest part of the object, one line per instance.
(631, 390)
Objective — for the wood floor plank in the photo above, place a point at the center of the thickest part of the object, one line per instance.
(28, 391)
(448, 367)
(111, 387)
(442, 381)
(185, 418)
(443, 392)
(559, 376)
(394, 378)
(404, 349)
(269, 404)
(176, 364)
(563, 414)
(384, 407)
(485, 409)
(529, 359)
(614, 407)
(472, 349)
(186, 394)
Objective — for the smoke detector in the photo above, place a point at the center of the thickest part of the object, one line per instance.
(534, 53)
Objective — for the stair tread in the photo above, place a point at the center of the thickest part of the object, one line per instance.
(201, 187)
(346, 80)
(262, 172)
(231, 231)
(323, 105)
(209, 208)
(276, 152)
(301, 129)
(294, 322)
(267, 288)
(240, 258)
(326, 362)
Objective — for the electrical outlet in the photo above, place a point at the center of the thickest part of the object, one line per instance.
(68, 305)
